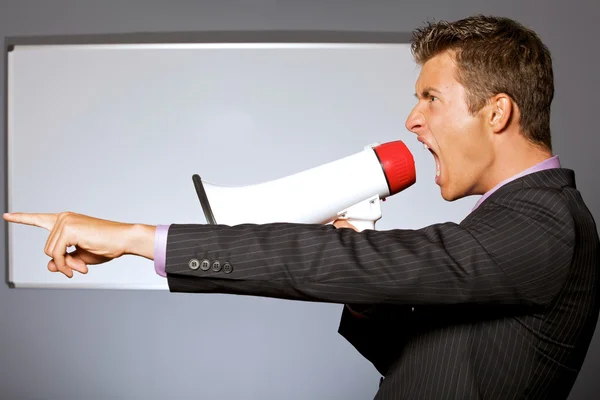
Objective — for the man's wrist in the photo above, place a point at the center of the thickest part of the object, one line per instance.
(140, 240)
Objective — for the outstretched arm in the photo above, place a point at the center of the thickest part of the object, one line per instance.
(505, 253)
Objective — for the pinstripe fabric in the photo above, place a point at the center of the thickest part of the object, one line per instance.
(500, 306)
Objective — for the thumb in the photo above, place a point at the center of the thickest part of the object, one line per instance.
(342, 223)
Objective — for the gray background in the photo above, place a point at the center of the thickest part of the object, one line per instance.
(119, 344)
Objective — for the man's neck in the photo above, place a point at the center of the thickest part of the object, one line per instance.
(514, 160)
(541, 164)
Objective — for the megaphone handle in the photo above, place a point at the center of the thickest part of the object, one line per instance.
(363, 215)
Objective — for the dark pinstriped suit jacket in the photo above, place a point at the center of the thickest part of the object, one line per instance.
(505, 303)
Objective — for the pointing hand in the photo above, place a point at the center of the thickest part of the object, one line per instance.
(95, 240)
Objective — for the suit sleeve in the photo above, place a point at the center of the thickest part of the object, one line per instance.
(513, 251)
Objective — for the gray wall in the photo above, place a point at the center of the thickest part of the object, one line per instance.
(68, 344)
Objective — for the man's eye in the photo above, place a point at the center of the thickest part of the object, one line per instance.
(431, 98)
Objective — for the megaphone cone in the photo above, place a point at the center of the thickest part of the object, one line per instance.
(350, 187)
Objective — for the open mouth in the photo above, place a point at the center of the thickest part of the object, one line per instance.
(437, 162)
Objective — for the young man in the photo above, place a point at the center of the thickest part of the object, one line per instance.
(500, 306)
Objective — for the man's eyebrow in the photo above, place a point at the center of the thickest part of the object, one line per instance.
(427, 92)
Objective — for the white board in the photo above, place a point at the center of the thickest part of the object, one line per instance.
(116, 131)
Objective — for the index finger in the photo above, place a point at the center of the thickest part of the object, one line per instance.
(41, 220)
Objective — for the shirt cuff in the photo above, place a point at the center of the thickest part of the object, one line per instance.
(160, 249)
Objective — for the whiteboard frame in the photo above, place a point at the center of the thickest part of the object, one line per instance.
(191, 38)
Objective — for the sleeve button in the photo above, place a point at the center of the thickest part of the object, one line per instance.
(227, 268)
(216, 266)
(205, 265)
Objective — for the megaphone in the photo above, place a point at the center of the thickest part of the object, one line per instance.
(349, 188)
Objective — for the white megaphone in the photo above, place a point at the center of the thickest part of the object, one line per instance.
(349, 188)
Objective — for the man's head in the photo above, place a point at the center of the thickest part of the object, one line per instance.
(484, 95)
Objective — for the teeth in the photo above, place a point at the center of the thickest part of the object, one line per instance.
(437, 172)
(425, 146)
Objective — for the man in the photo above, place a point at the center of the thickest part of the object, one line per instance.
(500, 306)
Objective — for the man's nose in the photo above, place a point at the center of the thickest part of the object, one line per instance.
(415, 121)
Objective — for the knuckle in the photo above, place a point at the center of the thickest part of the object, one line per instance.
(58, 259)
(65, 215)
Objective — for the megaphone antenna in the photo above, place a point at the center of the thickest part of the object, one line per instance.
(208, 214)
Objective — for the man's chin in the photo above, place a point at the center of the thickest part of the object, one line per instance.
(448, 194)
(447, 197)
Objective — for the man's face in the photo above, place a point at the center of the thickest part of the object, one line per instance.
(460, 143)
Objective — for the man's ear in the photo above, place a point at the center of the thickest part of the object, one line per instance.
(501, 113)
